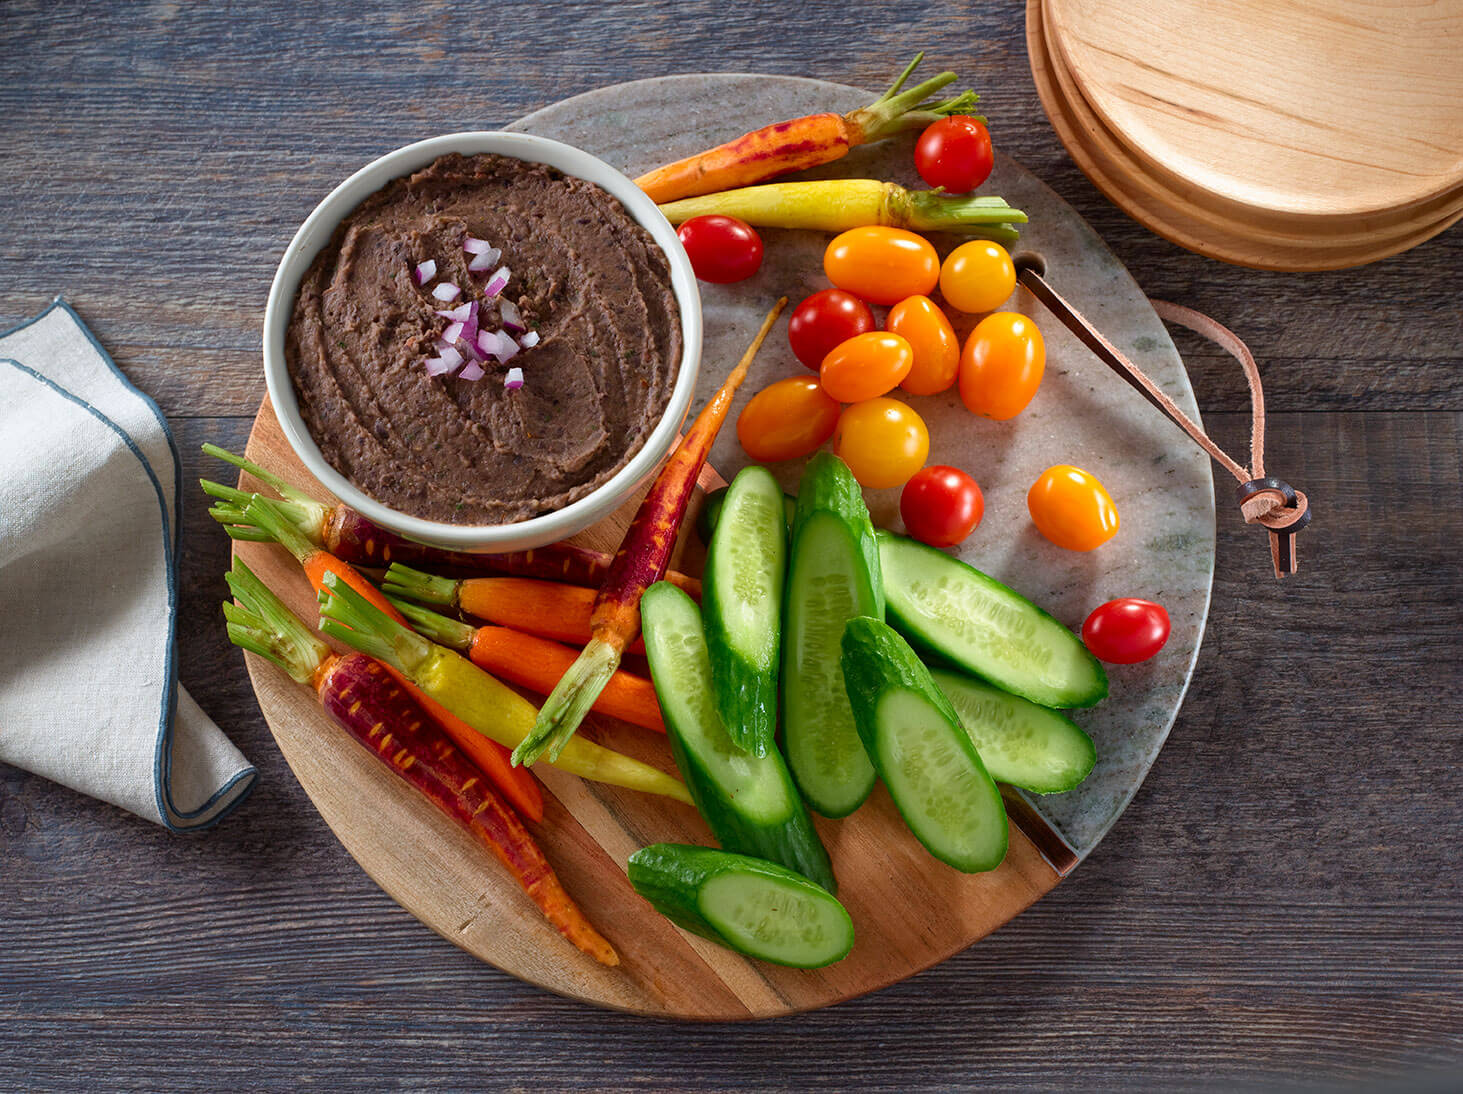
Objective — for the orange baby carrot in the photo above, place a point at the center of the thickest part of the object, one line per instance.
(804, 142)
(535, 663)
(544, 608)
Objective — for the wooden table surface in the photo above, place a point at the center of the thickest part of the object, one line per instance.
(1281, 902)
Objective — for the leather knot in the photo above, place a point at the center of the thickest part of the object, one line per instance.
(1281, 510)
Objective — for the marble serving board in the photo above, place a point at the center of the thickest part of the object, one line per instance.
(1083, 413)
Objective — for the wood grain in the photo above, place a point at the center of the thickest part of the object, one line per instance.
(1214, 223)
(909, 910)
(1271, 910)
(1260, 102)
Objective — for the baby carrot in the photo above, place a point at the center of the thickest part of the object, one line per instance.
(805, 142)
(520, 786)
(487, 704)
(352, 538)
(836, 205)
(360, 695)
(535, 663)
(545, 608)
(641, 560)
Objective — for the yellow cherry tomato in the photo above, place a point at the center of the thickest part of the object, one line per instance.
(977, 276)
(882, 265)
(1072, 509)
(921, 323)
(787, 420)
(883, 442)
(1001, 365)
(866, 366)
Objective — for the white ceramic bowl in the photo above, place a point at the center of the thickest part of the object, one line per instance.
(315, 233)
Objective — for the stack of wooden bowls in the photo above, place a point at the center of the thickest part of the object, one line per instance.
(1266, 133)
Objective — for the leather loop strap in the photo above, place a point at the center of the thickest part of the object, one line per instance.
(1269, 502)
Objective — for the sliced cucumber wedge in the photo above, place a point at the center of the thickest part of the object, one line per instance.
(1019, 742)
(711, 512)
(754, 907)
(749, 802)
(742, 592)
(833, 577)
(922, 752)
(979, 625)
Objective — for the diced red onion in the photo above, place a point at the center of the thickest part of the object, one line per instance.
(512, 317)
(470, 330)
(529, 339)
(488, 342)
(473, 371)
(425, 271)
(514, 380)
(447, 292)
(461, 313)
(446, 362)
(475, 246)
(497, 282)
(485, 261)
(507, 348)
(452, 333)
(468, 349)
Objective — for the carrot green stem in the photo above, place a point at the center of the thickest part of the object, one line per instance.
(935, 211)
(573, 698)
(414, 585)
(896, 111)
(245, 533)
(307, 517)
(270, 517)
(260, 623)
(348, 616)
(284, 489)
(427, 623)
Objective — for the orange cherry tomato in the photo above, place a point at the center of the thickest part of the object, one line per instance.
(1001, 365)
(882, 265)
(921, 323)
(786, 420)
(866, 366)
(883, 442)
(1072, 509)
(977, 276)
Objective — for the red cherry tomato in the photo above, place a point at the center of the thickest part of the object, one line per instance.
(941, 505)
(1071, 508)
(866, 366)
(824, 320)
(882, 265)
(1126, 631)
(787, 420)
(721, 249)
(955, 153)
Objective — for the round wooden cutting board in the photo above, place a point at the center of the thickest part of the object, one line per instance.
(1256, 146)
(909, 910)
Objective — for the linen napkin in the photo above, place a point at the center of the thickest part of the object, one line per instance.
(89, 485)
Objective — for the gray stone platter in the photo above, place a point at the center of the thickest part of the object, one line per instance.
(1083, 414)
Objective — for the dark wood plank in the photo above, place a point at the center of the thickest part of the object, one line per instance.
(1281, 902)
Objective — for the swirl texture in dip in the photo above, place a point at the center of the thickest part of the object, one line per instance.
(586, 277)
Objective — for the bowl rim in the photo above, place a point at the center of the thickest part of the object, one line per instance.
(315, 233)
